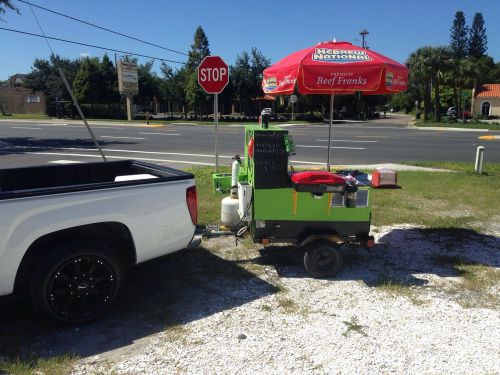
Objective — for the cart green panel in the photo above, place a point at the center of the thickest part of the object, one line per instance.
(288, 214)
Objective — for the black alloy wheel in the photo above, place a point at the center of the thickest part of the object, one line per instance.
(78, 284)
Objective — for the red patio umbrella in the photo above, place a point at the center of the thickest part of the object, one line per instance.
(335, 68)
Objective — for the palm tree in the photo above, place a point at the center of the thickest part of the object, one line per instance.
(421, 72)
(438, 61)
(459, 76)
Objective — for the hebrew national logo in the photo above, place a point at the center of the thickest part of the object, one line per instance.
(270, 83)
(340, 55)
(388, 79)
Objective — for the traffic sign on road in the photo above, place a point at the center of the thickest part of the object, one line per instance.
(213, 74)
(293, 98)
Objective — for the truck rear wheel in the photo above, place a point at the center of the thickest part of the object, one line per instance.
(78, 282)
(323, 259)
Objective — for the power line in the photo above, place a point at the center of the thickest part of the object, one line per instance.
(102, 28)
(91, 45)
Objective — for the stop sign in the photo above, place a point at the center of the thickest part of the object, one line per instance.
(213, 74)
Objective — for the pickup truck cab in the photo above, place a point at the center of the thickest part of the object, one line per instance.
(68, 231)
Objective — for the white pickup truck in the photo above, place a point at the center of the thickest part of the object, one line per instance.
(68, 231)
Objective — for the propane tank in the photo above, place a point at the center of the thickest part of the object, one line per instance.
(264, 117)
(235, 171)
(229, 211)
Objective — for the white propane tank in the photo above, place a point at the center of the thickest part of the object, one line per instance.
(235, 171)
(229, 211)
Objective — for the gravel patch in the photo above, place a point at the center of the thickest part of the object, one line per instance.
(226, 309)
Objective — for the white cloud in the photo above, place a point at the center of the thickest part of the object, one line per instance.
(84, 54)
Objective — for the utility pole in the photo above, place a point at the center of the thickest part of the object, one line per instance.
(363, 34)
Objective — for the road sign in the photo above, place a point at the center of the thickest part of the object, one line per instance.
(293, 98)
(128, 82)
(213, 74)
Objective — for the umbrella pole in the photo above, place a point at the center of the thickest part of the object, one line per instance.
(332, 96)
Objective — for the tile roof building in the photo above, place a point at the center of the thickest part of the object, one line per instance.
(486, 100)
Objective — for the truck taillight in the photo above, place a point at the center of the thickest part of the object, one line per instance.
(192, 203)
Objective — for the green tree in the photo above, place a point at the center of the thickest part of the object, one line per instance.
(422, 73)
(171, 88)
(438, 60)
(246, 78)
(241, 78)
(478, 40)
(87, 84)
(149, 84)
(458, 36)
(7, 4)
(195, 96)
(199, 50)
(44, 76)
(109, 81)
(459, 76)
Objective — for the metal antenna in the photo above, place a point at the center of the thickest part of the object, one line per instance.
(68, 87)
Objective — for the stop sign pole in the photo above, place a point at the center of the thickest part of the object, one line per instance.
(213, 77)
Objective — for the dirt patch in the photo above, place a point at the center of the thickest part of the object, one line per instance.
(249, 309)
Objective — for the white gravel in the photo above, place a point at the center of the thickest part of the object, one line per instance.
(345, 325)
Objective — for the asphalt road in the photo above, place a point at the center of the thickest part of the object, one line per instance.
(180, 146)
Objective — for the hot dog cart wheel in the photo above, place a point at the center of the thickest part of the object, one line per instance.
(323, 259)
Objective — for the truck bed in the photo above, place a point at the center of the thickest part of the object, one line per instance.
(54, 179)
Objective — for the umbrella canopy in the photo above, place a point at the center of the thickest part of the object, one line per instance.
(335, 68)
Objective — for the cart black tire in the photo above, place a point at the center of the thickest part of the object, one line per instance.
(78, 282)
(323, 259)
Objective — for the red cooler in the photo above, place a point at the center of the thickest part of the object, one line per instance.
(318, 182)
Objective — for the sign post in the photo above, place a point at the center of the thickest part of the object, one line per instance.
(213, 77)
(128, 83)
(293, 100)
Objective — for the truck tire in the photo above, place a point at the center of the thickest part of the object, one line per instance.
(78, 282)
(322, 259)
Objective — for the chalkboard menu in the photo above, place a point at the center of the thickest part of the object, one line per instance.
(270, 160)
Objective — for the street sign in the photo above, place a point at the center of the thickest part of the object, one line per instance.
(293, 98)
(213, 74)
(128, 83)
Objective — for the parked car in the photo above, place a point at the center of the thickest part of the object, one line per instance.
(452, 111)
(68, 231)
(235, 116)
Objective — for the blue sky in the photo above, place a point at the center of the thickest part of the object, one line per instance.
(276, 28)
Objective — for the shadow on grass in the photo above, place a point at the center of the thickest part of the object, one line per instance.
(21, 145)
(399, 256)
(166, 292)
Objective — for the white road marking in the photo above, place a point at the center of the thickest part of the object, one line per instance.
(63, 162)
(24, 128)
(345, 140)
(120, 157)
(113, 137)
(145, 152)
(306, 162)
(159, 133)
(52, 124)
(346, 148)
(105, 127)
(75, 126)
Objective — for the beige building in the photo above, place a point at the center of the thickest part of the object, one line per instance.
(486, 100)
(15, 98)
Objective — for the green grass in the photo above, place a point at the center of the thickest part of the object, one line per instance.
(467, 125)
(27, 116)
(33, 365)
(445, 200)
